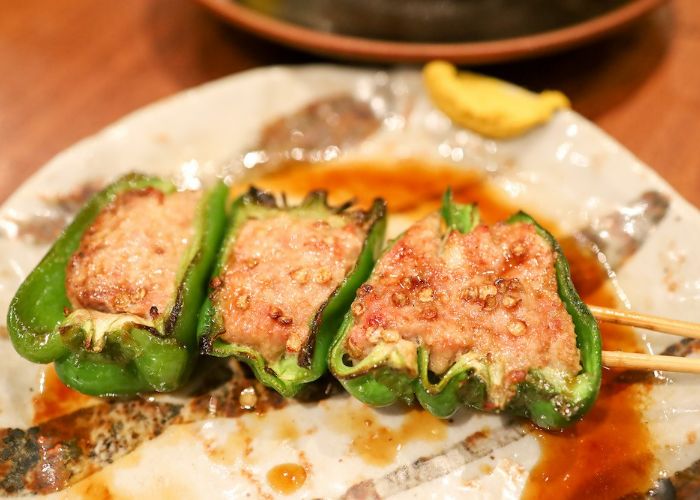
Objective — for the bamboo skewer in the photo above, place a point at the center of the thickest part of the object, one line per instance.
(646, 321)
(650, 362)
(636, 361)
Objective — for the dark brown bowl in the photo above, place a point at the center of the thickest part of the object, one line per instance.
(462, 31)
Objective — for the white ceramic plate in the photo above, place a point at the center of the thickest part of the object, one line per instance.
(568, 169)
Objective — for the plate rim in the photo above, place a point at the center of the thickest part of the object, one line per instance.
(364, 49)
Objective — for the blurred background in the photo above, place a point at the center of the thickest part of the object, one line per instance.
(70, 67)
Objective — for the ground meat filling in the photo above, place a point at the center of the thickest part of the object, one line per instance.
(128, 259)
(492, 292)
(280, 272)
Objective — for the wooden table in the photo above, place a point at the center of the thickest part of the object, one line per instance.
(70, 67)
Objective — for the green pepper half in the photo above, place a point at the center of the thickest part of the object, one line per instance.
(117, 354)
(389, 374)
(292, 371)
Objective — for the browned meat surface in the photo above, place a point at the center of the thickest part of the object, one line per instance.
(492, 292)
(129, 257)
(280, 272)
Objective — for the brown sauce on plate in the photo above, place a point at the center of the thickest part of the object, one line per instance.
(55, 399)
(608, 454)
(377, 444)
(286, 478)
(409, 186)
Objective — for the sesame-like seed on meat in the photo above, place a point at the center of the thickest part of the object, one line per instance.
(492, 292)
(399, 299)
(357, 308)
(129, 257)
(299, 263)
(426, 295)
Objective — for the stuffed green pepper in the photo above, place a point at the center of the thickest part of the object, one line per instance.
(114, 303)
(461, 314)
(283, 282)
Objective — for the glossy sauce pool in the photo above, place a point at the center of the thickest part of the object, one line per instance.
(286, 478)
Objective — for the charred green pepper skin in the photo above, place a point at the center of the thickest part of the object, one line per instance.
(290, 374)
(135, 358)
(536, 398)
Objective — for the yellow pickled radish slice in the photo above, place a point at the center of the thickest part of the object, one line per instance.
(486, 105)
